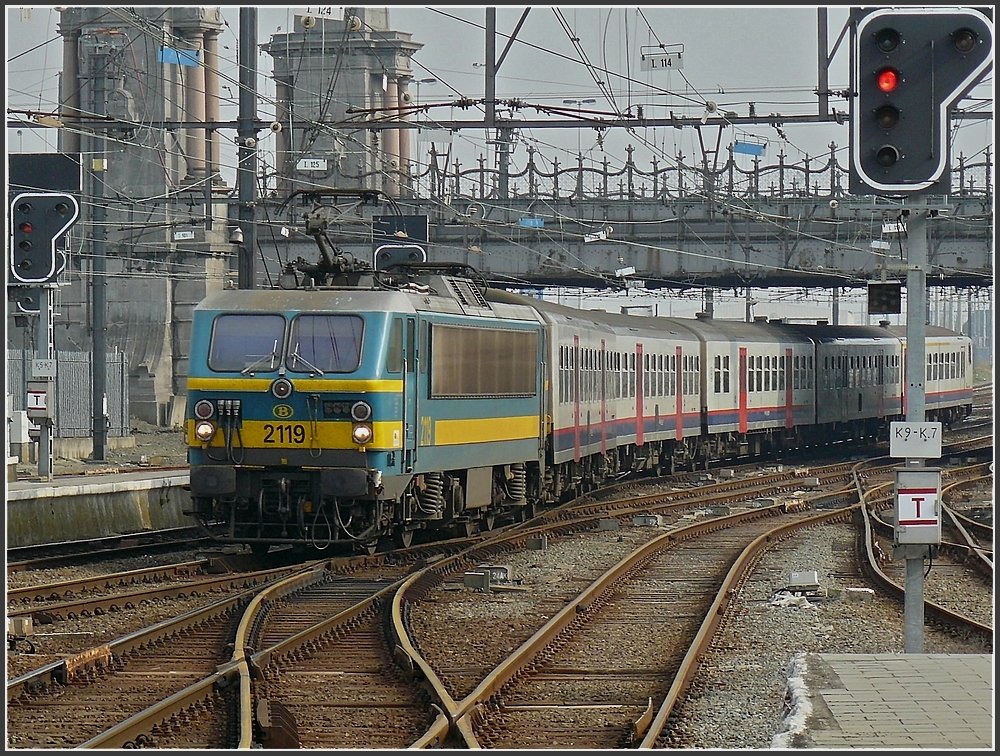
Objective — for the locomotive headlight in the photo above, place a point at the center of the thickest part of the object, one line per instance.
(204, 409)
(362, 433)
(281, 388)
(204, 430)
(361, 411)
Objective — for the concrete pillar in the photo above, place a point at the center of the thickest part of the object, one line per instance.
(212, 104)
(69, 96)
(194, 110)
(283, 139)
(390, 140)
(404, 138)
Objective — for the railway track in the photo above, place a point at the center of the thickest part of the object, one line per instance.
(299, 634)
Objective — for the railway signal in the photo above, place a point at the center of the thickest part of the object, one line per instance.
(885, 298)
(911, 65)
(37, 221)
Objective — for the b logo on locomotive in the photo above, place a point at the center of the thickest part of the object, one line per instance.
(282, 411)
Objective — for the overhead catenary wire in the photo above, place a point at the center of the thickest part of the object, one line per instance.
(307, 183)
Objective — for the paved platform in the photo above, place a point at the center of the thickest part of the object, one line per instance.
(876, 701)
(75, 507)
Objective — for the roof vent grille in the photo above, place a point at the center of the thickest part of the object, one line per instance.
(467, 293)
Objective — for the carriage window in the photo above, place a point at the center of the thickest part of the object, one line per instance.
(574, 373)
(246, 342)
(563, 372)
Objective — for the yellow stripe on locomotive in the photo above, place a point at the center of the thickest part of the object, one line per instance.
(485, 430)
(326, 385)
(291, 434)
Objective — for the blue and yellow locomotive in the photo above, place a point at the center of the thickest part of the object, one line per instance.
(356, 413)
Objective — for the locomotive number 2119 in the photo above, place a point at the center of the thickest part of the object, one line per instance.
(285, 433)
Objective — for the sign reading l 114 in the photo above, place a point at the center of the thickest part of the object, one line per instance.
(917, 440)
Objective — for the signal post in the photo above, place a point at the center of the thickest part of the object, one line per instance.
(38, 220)
(909, 67)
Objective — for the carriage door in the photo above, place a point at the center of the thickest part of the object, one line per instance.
(879, 380)
(411, 395)
(744, 366)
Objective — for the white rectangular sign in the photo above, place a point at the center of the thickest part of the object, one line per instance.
(320, 11)
(36, 404)
(669, 61)
(917, 440)
(311, 164)
(918, 512)
(43, 368)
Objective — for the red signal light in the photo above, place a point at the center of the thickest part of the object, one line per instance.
(26, 227)
(887, 79)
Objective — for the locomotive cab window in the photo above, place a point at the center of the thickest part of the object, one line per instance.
(325, 343)
(246, 342)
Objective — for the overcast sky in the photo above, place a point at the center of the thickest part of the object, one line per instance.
(767, 55)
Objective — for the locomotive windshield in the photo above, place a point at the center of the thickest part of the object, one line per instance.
(246, 342)
(325, 343)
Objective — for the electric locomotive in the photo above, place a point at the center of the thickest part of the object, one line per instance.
(365, 411)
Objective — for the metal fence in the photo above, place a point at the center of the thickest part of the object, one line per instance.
(669, 178)
(73, 404)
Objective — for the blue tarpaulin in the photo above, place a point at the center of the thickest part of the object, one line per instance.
(749, 148)
(179, 57)
(531, 222)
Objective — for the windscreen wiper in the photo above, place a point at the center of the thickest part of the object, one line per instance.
(249, 369)
(296, 357)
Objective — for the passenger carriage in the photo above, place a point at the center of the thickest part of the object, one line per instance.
(947, 373)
